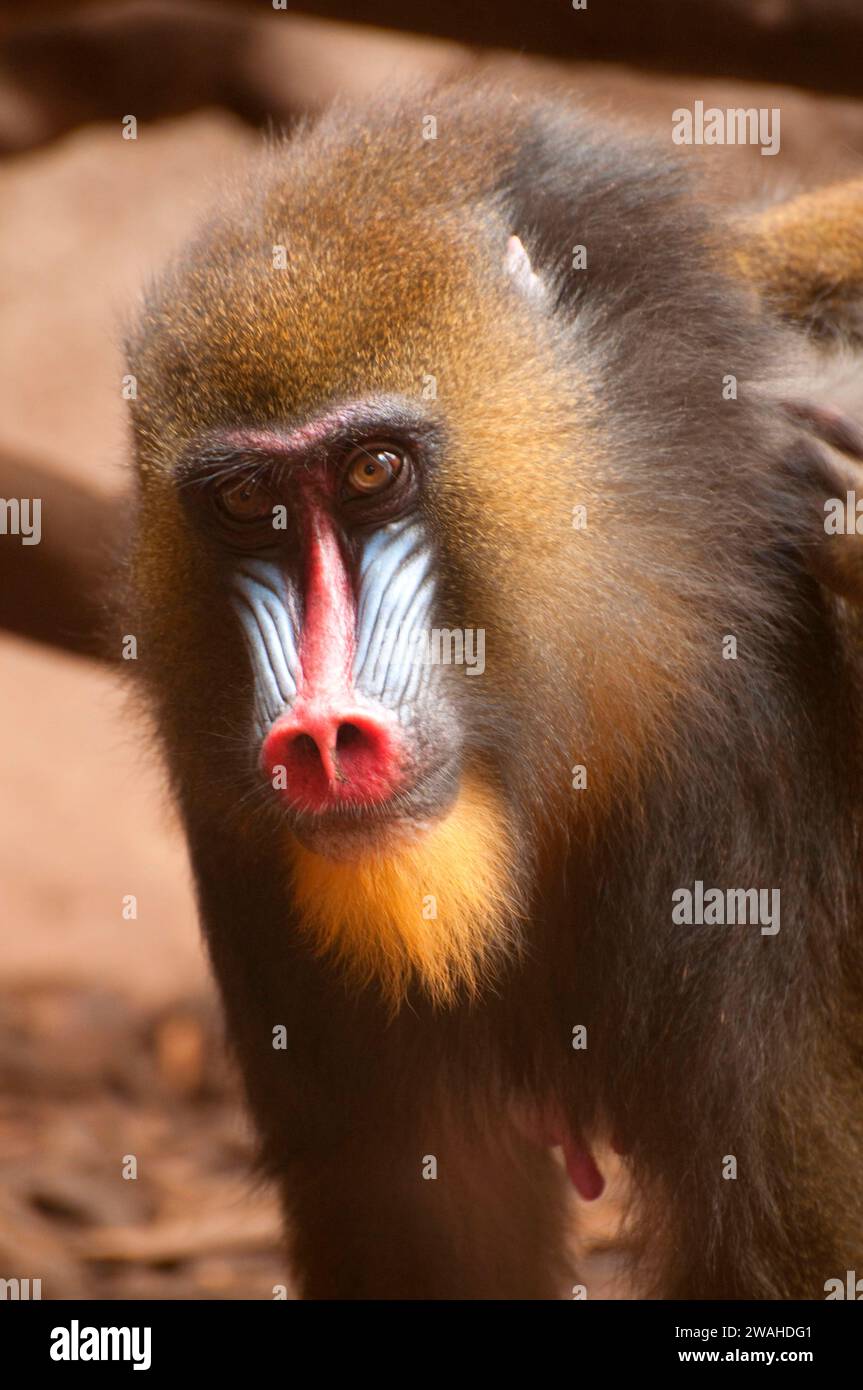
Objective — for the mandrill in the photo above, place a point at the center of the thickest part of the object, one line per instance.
(517, 380)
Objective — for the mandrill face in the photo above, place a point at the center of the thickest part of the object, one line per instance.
(333, 584)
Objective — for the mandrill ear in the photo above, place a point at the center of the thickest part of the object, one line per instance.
(833, 483)
(516, 263)
(805, 259)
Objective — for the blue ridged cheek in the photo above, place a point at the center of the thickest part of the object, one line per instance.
(396, 593)
(272, 636)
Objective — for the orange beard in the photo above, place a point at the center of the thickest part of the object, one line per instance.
(440, 910)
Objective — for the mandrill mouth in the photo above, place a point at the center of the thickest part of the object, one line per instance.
(345, 838)
(346, 827)
(348, 784)
(434, 901)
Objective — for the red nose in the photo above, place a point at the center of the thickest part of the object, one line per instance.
(333, 756)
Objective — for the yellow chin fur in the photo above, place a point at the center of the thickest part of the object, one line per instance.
(375, 914)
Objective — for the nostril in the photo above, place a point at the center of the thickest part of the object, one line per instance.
(305, 751)
(348, 737)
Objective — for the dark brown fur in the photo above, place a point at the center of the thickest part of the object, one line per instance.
(605, 649)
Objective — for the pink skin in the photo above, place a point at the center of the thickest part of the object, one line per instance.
(583, 1172)
(337, 748)
(546, 1127)
(290, 445)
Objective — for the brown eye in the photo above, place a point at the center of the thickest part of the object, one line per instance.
(246, 500)
(371, 469)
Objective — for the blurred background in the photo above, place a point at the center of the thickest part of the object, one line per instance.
(110, 1044)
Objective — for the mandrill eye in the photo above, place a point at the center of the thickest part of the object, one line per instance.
(371, 468)
(246, 500)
